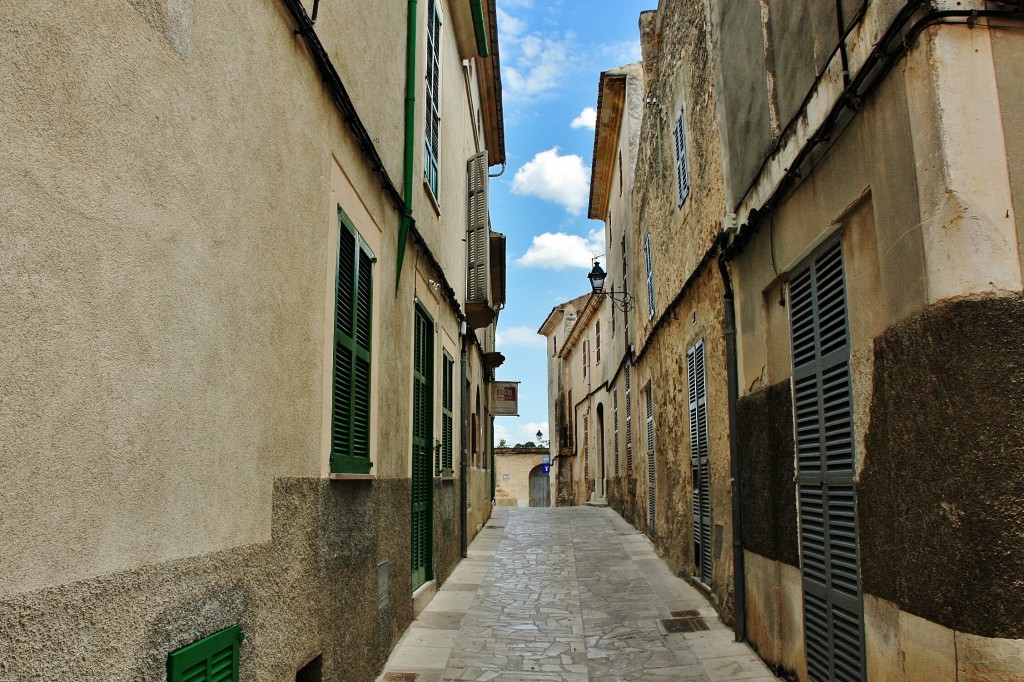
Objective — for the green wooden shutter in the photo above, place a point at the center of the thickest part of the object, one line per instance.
(211, 659)
(353, 319)
(431, 137)
(422, 435)
(823, 409)
(651, 481)
(447, 420)
(700, 462)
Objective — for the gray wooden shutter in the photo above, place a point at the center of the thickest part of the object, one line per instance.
(615, 429)
(649, 264)
(682, 173)
(478, 239)
(629, 428)
(651, 509)
(823, 410)
(586, 447)
(700, 461)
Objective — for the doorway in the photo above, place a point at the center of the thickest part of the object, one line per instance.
(540, 487)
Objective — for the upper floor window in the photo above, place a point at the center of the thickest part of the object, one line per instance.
(353, 313)
(433, 99)
(597, 342)
(649, 264)
(682, 172)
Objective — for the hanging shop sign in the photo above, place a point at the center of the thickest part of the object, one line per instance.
(505, 398)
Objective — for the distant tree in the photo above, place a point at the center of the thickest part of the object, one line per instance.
(527, 444)
(502, 443)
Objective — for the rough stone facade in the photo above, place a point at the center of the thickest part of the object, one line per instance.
(512, 469)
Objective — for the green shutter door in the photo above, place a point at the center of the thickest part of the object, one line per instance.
(823, 407)
(422, 433)
(700, 462)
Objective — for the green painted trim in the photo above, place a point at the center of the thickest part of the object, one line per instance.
(480, 28)
(410, 137)
(186, 659)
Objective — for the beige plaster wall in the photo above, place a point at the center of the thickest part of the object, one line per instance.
(167, 236)
(515, 490)
(775, 616)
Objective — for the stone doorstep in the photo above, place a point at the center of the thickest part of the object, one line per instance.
(423, 595)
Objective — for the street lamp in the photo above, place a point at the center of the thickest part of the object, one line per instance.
(597, 277)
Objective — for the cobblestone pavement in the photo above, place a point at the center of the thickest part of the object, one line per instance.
(566, 595)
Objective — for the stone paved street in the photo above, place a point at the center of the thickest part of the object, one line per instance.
(566, 595)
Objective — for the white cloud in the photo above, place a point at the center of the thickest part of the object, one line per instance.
(508, 26)
(556, 178)
(586, 119)
(501, 433)
(526, 337)
(528, 431)
(560, 250)
(538, 66)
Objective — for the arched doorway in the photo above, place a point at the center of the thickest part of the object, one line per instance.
(540, 487)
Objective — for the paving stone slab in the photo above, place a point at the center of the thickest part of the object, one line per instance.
(568, 595)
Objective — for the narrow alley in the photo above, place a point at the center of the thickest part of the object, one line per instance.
(567, 595)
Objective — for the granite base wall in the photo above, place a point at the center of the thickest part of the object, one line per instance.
(312, 590)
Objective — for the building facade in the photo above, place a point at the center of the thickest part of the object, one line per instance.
(874, 163)
(224, 259)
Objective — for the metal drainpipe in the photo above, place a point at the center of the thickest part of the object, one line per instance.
(464, 459)
(410, 136)
(738, 571)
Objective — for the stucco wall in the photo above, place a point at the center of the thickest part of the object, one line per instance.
(318, 569)
(515, 490)
(168, 237)
(664, 365)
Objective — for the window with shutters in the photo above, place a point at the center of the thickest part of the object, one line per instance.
(625, 291)
(586, 357)
(422, 448)
(823, 412)
(629, 427)
(432, 130)
(700, 462)
(211, 659)
(682, 173)
(649, 265)
(351, 381)
(478, 237)
(447, 450)
(615, 427)
(597, 342)
(586, 447)
(651, 481)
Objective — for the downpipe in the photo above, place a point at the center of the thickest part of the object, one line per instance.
(738, 566)
(464, 458)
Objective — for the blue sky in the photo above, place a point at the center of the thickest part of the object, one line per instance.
(552, 55)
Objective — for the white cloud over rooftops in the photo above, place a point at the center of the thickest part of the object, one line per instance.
(559, 178)
(560, 251)
(526, 337)
(586, 119)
